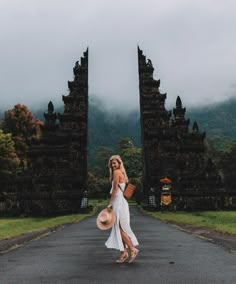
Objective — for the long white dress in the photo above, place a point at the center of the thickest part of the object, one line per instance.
(121, 209)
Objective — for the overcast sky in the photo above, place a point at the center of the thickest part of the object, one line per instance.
(192, 45)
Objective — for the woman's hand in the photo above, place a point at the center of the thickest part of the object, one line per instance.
(109, 206)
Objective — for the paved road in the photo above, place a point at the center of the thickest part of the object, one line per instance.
(76, 254)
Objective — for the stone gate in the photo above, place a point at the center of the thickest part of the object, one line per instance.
(171, 149)
(56, 178)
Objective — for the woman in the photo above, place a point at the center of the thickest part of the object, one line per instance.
(121, 236)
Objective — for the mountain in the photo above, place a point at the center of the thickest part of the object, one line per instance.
(216, 120)
(106, 128)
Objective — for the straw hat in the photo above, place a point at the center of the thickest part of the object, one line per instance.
(106, 218)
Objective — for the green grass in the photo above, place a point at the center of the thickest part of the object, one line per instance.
(98, 202)
(222, 221)
(12, 227)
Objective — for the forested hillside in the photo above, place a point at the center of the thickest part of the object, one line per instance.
(106, 128)
(219, 122)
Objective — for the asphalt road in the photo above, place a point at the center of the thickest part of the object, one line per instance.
(76, 254)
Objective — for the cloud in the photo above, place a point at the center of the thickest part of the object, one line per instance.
(191, 44)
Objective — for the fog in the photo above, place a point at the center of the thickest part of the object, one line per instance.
(191, 44)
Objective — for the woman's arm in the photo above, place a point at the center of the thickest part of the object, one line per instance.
(116, 176)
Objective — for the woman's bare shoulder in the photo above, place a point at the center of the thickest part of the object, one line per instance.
(117, 172)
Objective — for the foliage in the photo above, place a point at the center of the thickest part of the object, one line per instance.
(21, 123)
(219, 143)
(7, 146)
(98, 187)
(9, 160)
(219, 122)
(98, 178)
(126, 143)
(227, 163)
(100, 162)
(132, 158)
(106, 128)
(138, 194)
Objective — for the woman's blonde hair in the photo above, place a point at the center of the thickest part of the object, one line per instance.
(122, 168)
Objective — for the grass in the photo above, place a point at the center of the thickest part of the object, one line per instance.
(13, 227)
(98, 202)
(221, 221)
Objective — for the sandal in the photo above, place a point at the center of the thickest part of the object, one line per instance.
(122, 258)
(134, 253)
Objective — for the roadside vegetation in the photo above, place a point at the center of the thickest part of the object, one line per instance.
(221, 221)
(13, 227)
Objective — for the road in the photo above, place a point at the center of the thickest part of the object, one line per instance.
(76, 254)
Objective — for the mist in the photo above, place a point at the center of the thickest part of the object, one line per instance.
(191, 44)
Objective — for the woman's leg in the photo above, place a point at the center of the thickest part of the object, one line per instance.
(126, 240)
(124, 254)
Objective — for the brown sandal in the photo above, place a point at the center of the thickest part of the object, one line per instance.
(134, 253)
(122, 258)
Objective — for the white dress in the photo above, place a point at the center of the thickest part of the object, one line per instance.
(121, 209)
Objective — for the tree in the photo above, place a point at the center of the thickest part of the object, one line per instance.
(228, 166)
(98, 187)
(9, 160)
(126, 143)
(100, 165)
(132, 157)
(21, 123)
